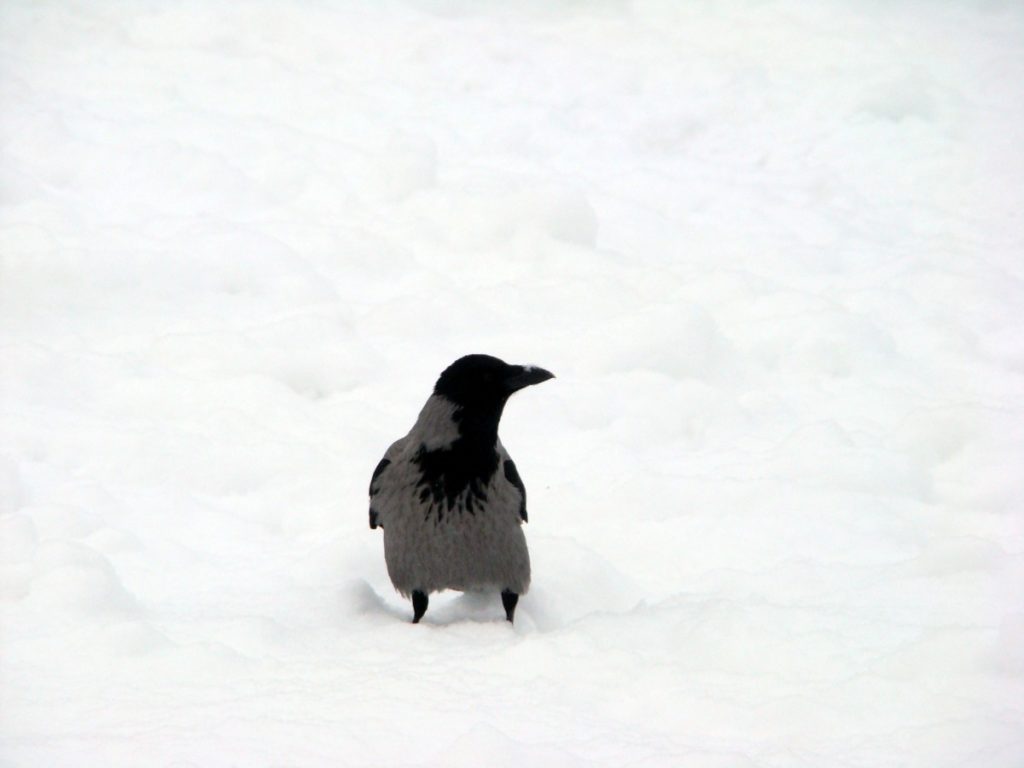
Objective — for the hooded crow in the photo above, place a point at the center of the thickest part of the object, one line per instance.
(448, 496)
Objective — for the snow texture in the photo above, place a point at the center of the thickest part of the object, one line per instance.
(772, 250)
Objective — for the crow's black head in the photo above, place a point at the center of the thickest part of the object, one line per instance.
(482, 382)
(478, 386)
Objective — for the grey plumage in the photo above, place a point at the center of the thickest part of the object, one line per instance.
(449, 497)
(430, 545)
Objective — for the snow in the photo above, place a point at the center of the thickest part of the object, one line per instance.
(771, 250)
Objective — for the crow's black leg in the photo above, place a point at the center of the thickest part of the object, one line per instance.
(419, 606)
(509, 600)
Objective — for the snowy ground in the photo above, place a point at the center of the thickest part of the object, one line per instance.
(773, 250)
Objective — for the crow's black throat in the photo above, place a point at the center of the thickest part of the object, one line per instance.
(468, 464)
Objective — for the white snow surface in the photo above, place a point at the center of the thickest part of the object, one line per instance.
(772, 249)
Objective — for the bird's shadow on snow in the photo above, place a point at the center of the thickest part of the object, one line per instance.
(359, 598)
(455, 607)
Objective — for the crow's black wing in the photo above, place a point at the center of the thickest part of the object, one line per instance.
(512, 475)
(374, 490)
(379, 478)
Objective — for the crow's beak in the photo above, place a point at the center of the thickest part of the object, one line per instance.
(520, 376)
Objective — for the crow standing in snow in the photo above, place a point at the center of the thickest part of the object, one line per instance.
(448, 496)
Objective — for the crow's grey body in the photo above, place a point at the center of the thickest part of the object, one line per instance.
(448, 496)
(431, 544)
